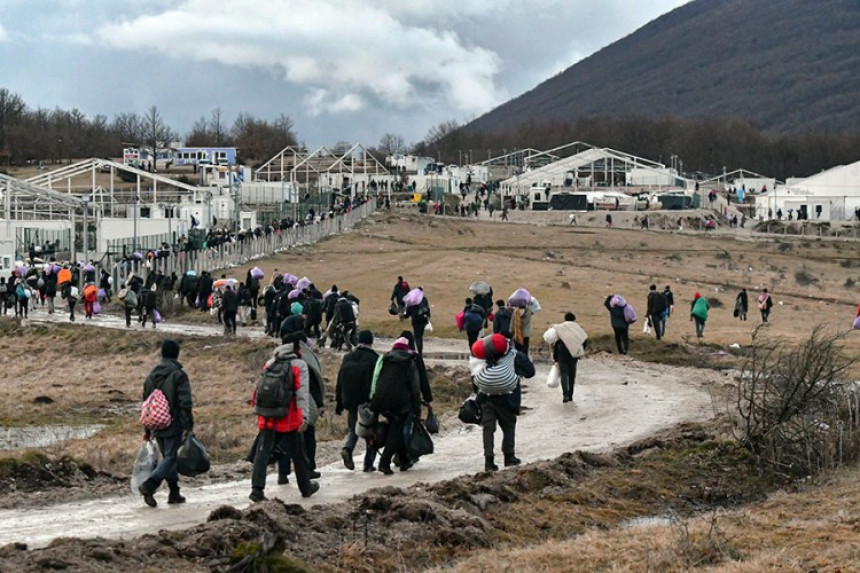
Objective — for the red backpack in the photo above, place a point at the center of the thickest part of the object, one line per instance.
(155, 411)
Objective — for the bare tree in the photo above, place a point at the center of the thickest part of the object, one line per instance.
(796, 409)
(156, 134)
(391, 144)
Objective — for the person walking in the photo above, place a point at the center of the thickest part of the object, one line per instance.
(656, 307)
(148, 304)
(72, 298)
(497, 381)
(353, 389)
(50, 290)
(168, 377)
(670, 306)
(502, 318)
(473, 321)
(396, 394)
(401, 287)
(699, 313)
(284, 427)
(420, 315)
(764, 305)
(742, 305)
(522, 332)
(615, 304)
(229, 307)
(569, 346)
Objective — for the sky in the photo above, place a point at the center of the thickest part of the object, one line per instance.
(342, 70)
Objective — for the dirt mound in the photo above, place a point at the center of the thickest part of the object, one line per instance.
(36, 473)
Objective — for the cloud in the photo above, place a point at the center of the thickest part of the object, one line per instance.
(342, 53)
(3, 35)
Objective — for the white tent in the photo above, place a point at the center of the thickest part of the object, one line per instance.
(832, 195)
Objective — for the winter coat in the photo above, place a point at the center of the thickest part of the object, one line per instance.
(656, 303)
(51, 285)
(616, 314)
(572, 337)
(316, 387)
(420, 314)
(148, 299)
(299, 409)
(502, 320)
(169, 377)
(229, 301)
(355, 377)
(397, 387)
(399, 291)
(473, 318)
(742, 301)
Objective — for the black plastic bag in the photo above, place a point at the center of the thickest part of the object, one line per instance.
(393, 310)
(367, 419)
(420, 442)
(470, 411)
(432, 422)
(193, 457)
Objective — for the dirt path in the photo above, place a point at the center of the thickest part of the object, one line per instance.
(617, 401)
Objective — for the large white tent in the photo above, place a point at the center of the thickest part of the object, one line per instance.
(832, 195)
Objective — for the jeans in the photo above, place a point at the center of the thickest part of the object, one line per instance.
(398, 426)
(351, 439)
(657, 324)
(167, 469)
(700, 327)
(765, 314)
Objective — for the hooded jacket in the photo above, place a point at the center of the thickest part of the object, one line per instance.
(397, 387)
(169, 377)
(299, 409)
(616, 314)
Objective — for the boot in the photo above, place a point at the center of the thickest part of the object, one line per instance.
(312, 489)
(512, 460)
(346, 454)
(174, 496)
(489, 466)
(283, 479)
(257, 495)
(146, 489)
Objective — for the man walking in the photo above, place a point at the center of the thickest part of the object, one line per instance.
(169, 378)
(656, 307)
(283, 424)
(352, 390)
(568, 348)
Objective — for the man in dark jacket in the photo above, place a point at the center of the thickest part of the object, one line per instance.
(656, 307)
(352, 390)
(168, 377)
(229, 306)
(328, 304)
(269, 297)
(314, 310)
(204, 289)
(148, 302)
(473, 320)
(397, 396)
(619, 325)
(502, 318)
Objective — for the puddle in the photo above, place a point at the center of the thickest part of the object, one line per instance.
(648, 521)
(40, 436)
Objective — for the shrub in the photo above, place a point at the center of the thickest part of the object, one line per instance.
(803, 278)
(795, 409)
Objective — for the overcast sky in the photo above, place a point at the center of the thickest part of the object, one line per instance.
(342, 70)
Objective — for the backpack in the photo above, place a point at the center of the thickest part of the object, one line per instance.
(274, 390)
(130, 299)
(155, 411)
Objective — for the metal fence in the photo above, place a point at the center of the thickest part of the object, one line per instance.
(234, 254)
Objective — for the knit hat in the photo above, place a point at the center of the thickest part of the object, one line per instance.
(490, 346)
(365, 337)
(400, 344)
(296, 308)
(170, 349)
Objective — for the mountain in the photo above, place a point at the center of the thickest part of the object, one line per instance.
(786, 66)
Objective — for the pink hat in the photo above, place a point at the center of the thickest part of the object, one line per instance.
(400, 344)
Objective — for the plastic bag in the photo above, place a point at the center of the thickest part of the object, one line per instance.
(432, 421)
(413, 297)
(857, 323)
(157, 316)
(534, 305)
(470, 411)
(392, 309)
(145, 463)
(646, 328)
(193, 459)
(460, 320)
(550, 336)
(97, 308)
(520, 298)
(420, 442)
(429, 327)
(553, 379)
(367, 419)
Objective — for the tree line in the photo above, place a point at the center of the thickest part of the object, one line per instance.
(705, 145)
(33, 135)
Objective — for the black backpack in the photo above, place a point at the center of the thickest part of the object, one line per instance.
(275, 390)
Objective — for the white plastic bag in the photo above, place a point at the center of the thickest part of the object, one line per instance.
(535, 305)
(429, 327)
(646, 328)
(145, 462)
(550, 336)
(553, 379)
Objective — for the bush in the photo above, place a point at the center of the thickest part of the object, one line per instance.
(795, 409)
(803, 278)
